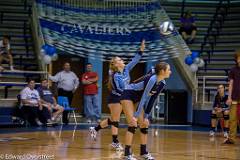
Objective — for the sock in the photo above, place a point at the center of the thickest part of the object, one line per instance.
(98, 128)
(115, 138)
(143, 149)
(127, 150)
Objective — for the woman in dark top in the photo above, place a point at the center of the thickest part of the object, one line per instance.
(220, 109)
(188, 27)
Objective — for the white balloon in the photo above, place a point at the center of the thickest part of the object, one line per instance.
(194, 67)
(47, 59)
(201, 63)
(55, 57)
(42, 52)
(196, 60)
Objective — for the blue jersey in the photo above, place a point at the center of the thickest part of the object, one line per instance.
(151, 91)
(221, 101)
(121, 80)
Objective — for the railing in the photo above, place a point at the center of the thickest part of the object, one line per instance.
(37, 36)
(214, 28)
(183, 7)
(206, 88)
(158, 107)
(27, 74)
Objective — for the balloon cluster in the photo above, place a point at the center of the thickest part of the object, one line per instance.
(194, 61)
(48, 53)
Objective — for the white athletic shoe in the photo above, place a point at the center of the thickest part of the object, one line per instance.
(130, 157)
(117, 146)
(225, 134)
(147, 156)
(211, 133)
(11, 68)
(93, 133)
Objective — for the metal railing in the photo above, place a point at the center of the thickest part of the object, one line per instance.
(214, 28)
(37, 36)
(205, 88)
(27, 74)
(158, 107)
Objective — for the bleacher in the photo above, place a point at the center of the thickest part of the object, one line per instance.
(218, 56)
(15, 21)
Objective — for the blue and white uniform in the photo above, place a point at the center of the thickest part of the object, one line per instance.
(151, 91)
(121, 80)
(134, 91)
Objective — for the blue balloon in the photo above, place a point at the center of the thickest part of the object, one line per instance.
(194, 55)
(45, 47)
(51, 51)
(189, 60)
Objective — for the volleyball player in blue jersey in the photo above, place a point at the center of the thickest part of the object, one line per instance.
(118, 81)
(151, 86)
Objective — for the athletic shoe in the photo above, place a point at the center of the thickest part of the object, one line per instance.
(228, 141)
(130, 157)
(89, 121)
(225, 134)
(211, 133)
(93, 133)
(147, 156)
(39, 123)
(117, 146)
(1, 69)
(11, 68)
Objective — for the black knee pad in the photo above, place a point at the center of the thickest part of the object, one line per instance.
(144, 130)
(115, 124)
(213, 116)
(226, 117)
(132, 129)
(109, 121)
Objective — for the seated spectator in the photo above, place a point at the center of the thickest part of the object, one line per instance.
(32, 106)
(5, 52)
(220, 110)
(188, 27)
(49, 101)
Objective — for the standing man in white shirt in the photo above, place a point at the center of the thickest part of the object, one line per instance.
(67, 84)
(5, 52)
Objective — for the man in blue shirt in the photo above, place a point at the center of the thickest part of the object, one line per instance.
(49, 101)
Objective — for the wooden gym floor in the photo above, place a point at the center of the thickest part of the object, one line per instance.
(74, 143)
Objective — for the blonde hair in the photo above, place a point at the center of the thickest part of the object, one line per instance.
(112, 69)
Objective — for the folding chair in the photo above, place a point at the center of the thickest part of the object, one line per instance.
(63, 101)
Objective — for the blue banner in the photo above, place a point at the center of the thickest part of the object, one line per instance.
(106, 32)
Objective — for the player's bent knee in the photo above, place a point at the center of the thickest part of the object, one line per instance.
(115, 124)
(132, 129)
(226, 117)
(213, 116)
(144, 130)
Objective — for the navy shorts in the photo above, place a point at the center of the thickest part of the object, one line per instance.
(132, 95)
(112, 98)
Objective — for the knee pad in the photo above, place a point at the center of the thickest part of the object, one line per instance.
(109, 121)
(226, 117)
(132, 129)
(213, 116)
(115, 124)
(144, 130)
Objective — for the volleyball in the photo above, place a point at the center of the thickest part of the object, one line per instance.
(166, 28)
